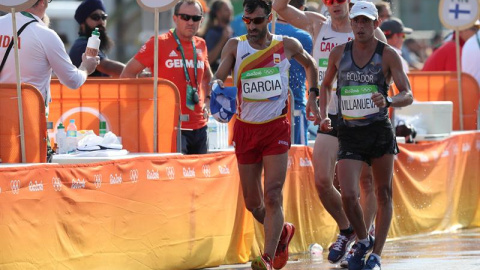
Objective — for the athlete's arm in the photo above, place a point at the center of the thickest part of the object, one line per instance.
(392, 67)
(227, 61)
(380, 35)
(294, 50)
(327, 85)
(306, 20)
(132, 68)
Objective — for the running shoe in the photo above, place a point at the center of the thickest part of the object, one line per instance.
(281, 254)
(263, 262)
(357, 261)
(340, 247)
(372, 263)
(344, 261)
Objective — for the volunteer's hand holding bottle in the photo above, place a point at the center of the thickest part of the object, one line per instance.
(90, 58)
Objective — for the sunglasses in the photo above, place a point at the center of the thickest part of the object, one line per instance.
(187, 17)
(97, 17)
(330, 2)
(256, 20)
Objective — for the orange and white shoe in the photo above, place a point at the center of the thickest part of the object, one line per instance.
(263, 262)
(281, 254)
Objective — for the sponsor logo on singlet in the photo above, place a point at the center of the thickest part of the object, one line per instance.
(245, 55)
(326, 46)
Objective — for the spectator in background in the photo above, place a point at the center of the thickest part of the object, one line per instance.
(41, 51)
(217, 30)
(444, 58)
(238, 26)
(182, 59)
(471, 55)
(415, 53)
(395, 33)
(384, 10)
(297, 74)
(90, 14)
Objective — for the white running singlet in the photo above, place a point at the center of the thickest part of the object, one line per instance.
(326, 40)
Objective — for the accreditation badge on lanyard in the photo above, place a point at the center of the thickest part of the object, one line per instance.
(192, 97)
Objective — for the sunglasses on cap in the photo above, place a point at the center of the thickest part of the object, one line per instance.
(256, 20)
(187, 17)
(96, 17)
(330, 2)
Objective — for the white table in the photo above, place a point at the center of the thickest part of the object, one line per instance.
(73, 158)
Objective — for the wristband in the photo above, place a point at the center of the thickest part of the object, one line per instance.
(315, 90)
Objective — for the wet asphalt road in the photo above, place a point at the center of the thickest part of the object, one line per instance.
(446, 251)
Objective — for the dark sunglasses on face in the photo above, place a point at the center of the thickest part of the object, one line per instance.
(97, 17)
(330, 2)
(256, 20)
(187, 17)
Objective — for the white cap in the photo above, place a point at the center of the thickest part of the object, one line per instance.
(373, 1)
(364, 8)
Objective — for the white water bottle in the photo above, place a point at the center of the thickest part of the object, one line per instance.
(212, 133)
(61, 139)
(93, 44)
(71, 137)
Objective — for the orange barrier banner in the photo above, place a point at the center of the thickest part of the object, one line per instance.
(127, 107)
(187, 212)
(34, 124)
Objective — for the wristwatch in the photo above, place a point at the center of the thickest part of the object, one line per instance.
(389, 101)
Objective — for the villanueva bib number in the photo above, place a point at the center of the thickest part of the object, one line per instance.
(357, 103)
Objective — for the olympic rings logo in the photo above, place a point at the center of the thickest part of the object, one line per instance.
(134, 175)
(170, 172)
(206, 170)
(97, 180)
(56, 183)
(15, 186)
(269, 71)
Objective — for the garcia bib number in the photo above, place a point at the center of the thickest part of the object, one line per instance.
(262, 84)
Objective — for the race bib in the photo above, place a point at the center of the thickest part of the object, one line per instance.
(322, 68)
(356, 101)
(262, 84)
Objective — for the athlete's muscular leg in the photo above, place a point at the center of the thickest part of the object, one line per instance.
(368, 201)
(349, 171)
(275, 167)
(251, 180)
(383, 173)
(324, 159)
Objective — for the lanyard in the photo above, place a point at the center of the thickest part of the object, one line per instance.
(27, 15)
(183, 58)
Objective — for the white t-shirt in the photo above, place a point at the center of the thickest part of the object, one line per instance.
(404, 62)
(40, 51)
(471, 56)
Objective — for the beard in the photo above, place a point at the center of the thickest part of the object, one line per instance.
(106, 43)
(256, 34)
